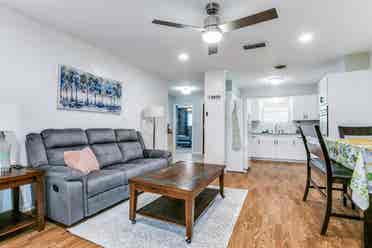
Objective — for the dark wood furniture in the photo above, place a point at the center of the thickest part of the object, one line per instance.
(14, 220)
(319, 161)
(184, 190)
(354, 131)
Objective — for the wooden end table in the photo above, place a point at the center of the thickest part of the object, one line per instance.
(14, 220)
(184, 191)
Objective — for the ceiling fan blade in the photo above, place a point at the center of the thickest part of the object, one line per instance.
(176, 25)
(212, 49)
(264, 16)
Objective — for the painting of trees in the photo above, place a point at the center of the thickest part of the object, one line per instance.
(78, 90)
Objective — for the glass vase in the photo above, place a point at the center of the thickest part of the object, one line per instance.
(4, 155)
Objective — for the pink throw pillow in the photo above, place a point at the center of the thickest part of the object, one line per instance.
(83, 160)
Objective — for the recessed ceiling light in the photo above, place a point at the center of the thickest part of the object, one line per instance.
(275, 80)
(185, 90)
(306, 38)
(183, 57)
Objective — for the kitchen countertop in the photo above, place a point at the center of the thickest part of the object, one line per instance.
(274, 134)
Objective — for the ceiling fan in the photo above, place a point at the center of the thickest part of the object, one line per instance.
(212, 32)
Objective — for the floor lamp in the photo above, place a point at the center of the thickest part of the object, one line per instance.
(154, 112)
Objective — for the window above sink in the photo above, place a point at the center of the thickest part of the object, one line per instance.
(275, 110)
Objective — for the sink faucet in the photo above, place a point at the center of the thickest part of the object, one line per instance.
(276, 128)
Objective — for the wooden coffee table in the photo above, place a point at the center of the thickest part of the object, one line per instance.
(184, 191)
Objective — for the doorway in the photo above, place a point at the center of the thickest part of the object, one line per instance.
(183, 129)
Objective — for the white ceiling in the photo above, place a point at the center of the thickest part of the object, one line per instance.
(124, 27)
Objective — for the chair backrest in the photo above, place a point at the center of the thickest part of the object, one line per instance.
(315, 146)
(354, 131)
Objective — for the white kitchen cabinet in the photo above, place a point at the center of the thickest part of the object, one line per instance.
(283, 148)
(260, 146)
(267, 147)
(292, 149)
(297, 107)
(277, 147)
(299, 149)
(305, 107)
(252, 146)
(263, 147)
(312, 107)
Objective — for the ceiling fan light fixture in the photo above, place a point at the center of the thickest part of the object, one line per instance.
(212, 35)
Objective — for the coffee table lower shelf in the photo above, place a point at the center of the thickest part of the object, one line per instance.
(173, 210)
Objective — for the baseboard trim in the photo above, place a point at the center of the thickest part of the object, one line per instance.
(277, 160)
(238, 172)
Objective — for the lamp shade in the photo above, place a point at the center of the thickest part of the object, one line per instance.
(154, 111)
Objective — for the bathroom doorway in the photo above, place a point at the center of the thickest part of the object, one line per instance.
(183, 129)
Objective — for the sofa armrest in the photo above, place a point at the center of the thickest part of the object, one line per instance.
(63, 172)
(150, 153)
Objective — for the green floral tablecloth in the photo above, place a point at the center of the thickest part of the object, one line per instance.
(355, 154)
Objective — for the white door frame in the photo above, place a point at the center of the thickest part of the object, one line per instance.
(175, 125)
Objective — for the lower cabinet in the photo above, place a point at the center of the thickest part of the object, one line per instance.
(284, 148)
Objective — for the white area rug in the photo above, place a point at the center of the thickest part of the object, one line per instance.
(112, 228)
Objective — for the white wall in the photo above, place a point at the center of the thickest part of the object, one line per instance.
(349, 100)
(215, 85)
(196, 101)
(30, 55)
(281, 90)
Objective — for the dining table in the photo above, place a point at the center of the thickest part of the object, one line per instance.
(356, 154)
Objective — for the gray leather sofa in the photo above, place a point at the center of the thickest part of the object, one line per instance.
(70, 195)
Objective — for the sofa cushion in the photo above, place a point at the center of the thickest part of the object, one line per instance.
(126, 135)
(107, 154)
(103, 180)
(131, 150)
(56, 155)
(139, 167)
(54, 138)
(101, 136)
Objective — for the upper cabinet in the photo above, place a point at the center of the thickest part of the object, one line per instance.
(305, 107)
(294, 108)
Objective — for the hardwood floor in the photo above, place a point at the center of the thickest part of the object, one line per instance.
(273, 215)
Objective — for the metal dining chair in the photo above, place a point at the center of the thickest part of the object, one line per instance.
(354, 131)
(318, 160)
